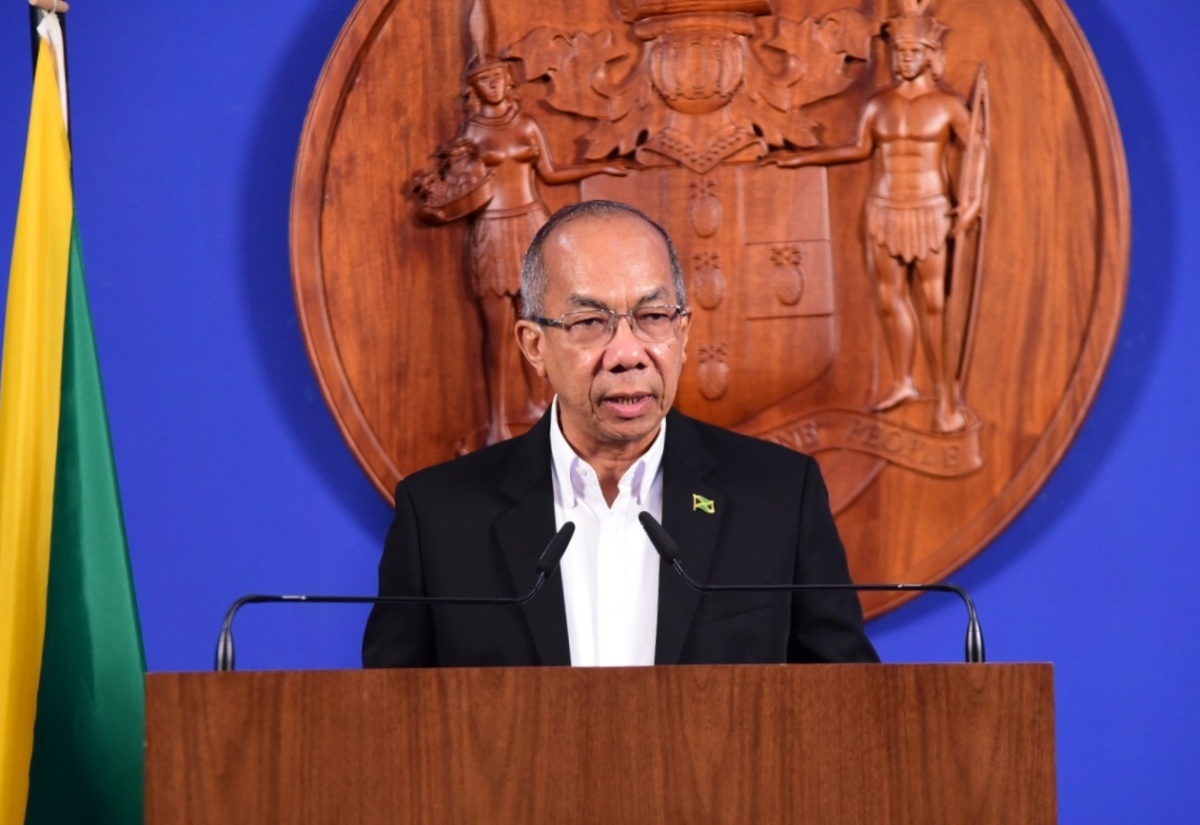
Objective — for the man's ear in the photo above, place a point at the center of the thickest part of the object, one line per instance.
(531, 338)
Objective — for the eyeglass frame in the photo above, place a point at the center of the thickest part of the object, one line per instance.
(614, 320)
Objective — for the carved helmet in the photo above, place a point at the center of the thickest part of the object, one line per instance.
(915, 25)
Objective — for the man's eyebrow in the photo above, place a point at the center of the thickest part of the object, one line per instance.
(657, 296)
(584, 301)
(587, 302)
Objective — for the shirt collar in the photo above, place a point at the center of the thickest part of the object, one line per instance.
(568, 466)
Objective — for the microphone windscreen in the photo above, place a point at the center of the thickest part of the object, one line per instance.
(662, 541)
(552, 555)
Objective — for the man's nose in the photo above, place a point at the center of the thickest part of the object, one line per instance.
(626, 350)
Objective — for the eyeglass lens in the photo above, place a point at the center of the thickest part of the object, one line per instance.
(652, 324)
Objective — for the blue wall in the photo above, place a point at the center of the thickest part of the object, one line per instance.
(235, 479)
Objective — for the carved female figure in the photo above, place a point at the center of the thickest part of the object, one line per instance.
(515, 154)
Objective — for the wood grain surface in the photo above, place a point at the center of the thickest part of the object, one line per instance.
(825, 744)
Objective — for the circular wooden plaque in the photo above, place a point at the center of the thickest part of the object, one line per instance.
(788, 342)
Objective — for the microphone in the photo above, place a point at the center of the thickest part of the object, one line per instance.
(547, 563)
(669, 551)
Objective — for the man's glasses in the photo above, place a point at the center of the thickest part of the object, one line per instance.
(593, 327)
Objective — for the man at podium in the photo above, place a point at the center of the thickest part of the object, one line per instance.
(605, 320)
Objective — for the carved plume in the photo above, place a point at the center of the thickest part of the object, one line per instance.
(477, 26)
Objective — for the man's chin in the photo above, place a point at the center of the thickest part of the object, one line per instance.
(633, 430)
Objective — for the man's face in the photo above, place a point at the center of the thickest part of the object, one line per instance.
(612, 397)
(910, 59)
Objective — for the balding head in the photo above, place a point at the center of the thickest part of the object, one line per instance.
(535, 276)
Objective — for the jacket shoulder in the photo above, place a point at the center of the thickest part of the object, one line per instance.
(510, 468)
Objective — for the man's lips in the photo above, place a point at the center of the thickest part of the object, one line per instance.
(629, 405)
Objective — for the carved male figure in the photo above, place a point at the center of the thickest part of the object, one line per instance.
(606, 323)
(907, 129)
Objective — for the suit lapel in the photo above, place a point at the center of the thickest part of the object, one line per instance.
(522, 533)
(686, 463)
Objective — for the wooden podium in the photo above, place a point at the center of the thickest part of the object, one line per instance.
(694, 745)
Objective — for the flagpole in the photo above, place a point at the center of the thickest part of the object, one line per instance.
(53, 11)
(37, 8)
(52, 6)
(35, 17)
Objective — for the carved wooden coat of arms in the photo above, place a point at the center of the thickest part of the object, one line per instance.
(904, 226)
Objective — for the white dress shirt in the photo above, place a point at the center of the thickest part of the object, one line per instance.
(610, 570)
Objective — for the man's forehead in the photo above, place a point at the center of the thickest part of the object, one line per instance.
(616, 227)
(603, 266)
(600, 242)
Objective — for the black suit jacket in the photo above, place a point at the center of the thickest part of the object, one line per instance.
(475, 526)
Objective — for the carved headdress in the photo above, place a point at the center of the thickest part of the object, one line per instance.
(915, 25)
(482, 58)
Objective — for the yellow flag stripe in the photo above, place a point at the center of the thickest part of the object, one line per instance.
(30, 392)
